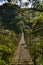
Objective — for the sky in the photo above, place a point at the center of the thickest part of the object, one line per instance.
(2, 1)
(23, 1)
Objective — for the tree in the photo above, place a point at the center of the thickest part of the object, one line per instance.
(26, 4)
(9, 0)
(20, 2)
(36, 3)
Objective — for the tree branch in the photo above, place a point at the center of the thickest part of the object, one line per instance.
(37, 30)
(36, 9)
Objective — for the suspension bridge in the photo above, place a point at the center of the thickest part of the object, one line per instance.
(21, 55)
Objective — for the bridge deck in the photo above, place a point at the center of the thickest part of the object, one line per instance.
(21, 55)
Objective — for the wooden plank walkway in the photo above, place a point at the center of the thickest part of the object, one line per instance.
(21, 55)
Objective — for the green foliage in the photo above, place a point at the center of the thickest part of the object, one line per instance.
(34, 39)
(2, 62)
(9, 0)
(14, 21)
(8, 44)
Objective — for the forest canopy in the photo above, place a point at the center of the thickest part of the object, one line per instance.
(15, 20)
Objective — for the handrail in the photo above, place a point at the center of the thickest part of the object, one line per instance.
(30, 32)
(37, 30)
